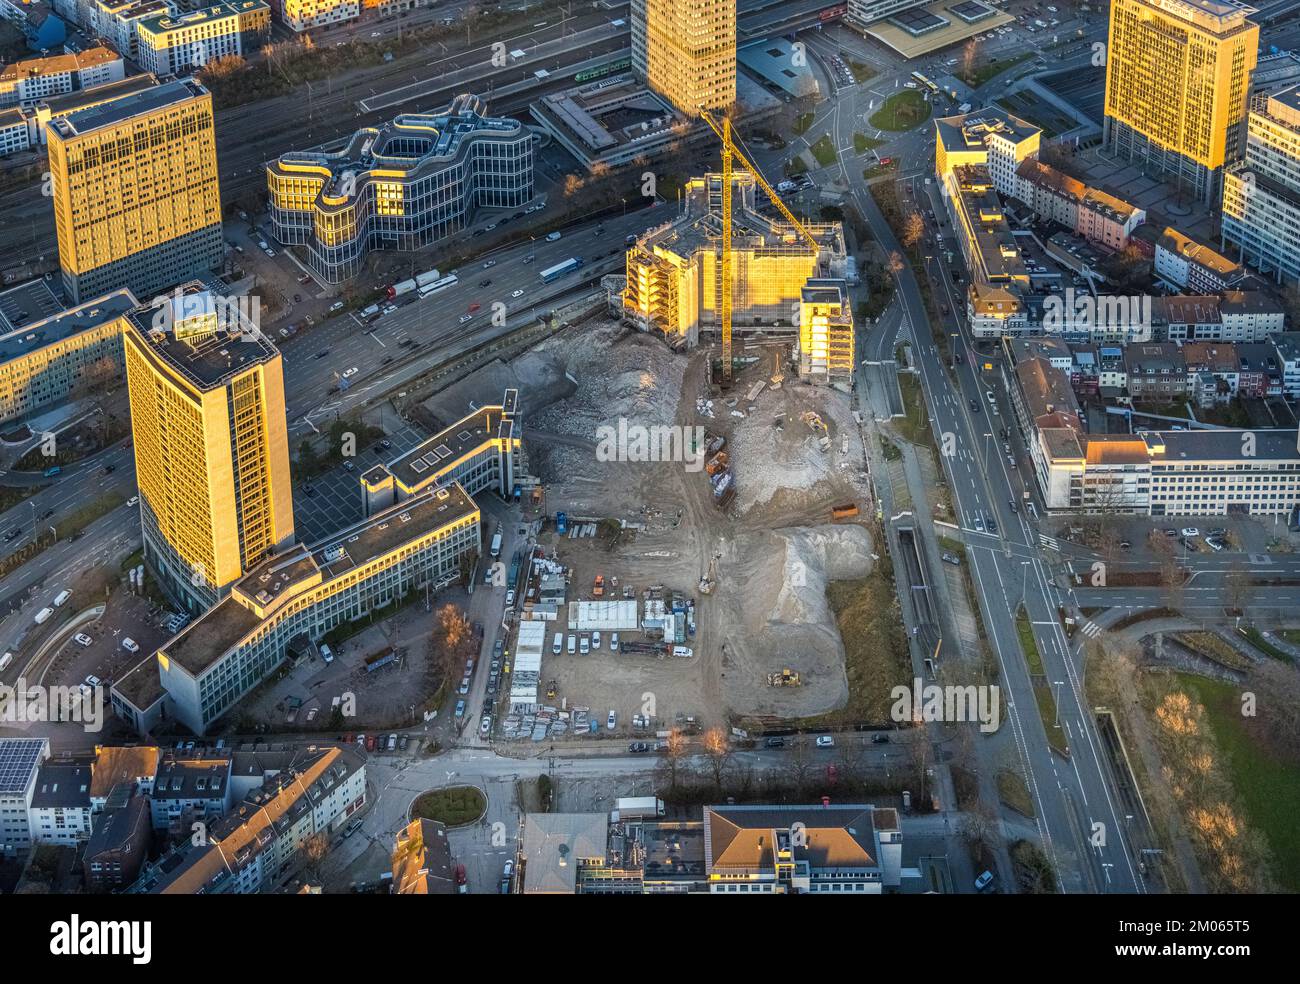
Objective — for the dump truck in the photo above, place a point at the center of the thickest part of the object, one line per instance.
(846, 510)
(598, 588)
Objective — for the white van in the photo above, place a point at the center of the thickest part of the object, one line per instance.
(573, 645)
(61, 598)
(6, 659)
(683, 651)
(595, 640)
(552, 237)
(584, 644)
(43, 615)
(558, 644)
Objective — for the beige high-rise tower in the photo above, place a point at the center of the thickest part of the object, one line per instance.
(211, 445)
(136, 202)
(1177, 76)
(685, 50)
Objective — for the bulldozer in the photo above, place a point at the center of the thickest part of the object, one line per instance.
(710, 578)
(550, 690)
(785, 678)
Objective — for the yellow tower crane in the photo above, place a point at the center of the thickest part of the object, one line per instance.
(729, 151)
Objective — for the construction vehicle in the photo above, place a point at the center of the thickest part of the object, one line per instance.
(716, 464)
(709, 578)
(598, 589)
(786, 678)
(846, 511)
(729, 151)
(550, 690)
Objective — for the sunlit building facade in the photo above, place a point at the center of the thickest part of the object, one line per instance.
(673, 275)
(686, 52)
(1177, 79)
(826, 333)
(405, 185)
(211, 447)
(136, 201)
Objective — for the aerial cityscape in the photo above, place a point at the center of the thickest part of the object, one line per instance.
(513, 447)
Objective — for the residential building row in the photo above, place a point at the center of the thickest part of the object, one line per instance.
(405, 185)
(1176, 472)
(31, 80)
(256, 805)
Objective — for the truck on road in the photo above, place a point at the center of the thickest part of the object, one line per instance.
(637, 807)
(496, 545)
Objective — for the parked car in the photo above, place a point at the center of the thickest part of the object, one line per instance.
(130, 645)
(880, 738)
(775, 743)
(1190, 531)
(983, 882)
(82, 639)
(611, 722)
(825, 741)
(463, 689)
(613, 643)
(485, 726)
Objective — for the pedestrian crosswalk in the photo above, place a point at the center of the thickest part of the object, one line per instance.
(1092, 629)
(1049, 542)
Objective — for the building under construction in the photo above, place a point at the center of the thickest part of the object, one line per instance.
(674, 273)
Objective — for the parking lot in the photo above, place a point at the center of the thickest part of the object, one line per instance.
(332, 501)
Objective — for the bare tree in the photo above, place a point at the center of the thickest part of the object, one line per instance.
(314, 850)
(719, 751)
(800, 763)
(674, 752)
(913, 229)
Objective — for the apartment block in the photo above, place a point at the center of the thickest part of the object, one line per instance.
(421, 863)
(31, 80)
(136, 203)
(1054, 196)
(1192, 266)
(1157, 473)
(183, 42)
(686, 52)
(60, 811)
(119, 844)
(1177, 79)
(306, 15)
(993, 138)
(673, 271)
(1157, 371)
(20, 764)
(1261, 195)
(1287, 346)
(259, 842)
(826, 333)
(211, 445)
(406, 185)
(190, 788)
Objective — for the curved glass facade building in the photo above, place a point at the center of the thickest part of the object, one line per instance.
(404, 186)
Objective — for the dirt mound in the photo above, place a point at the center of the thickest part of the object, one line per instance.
(774, 614)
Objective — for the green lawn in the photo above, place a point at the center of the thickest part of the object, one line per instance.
(1269, 788)
(915, 427)
(1264, 646)
(904, 110)
(978, 76)
(455, 806)
(861, 71)
(1043, 695)
(863, 143)
(824, 151)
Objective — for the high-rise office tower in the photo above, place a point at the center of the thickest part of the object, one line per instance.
(1177, 78)
(211, 445)
(136, 202)
(685, 50)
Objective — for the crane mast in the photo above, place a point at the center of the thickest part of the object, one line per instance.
(729, 154)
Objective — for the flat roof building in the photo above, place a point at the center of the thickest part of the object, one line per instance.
(20, 763)
(136, 202)
(211, 443)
